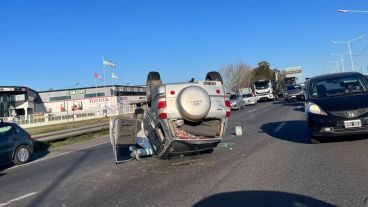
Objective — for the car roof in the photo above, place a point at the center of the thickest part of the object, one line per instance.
(7, 124)
(333, 75)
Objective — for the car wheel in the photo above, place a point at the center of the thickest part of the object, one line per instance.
(213, 76)
(153, 79)
(22, 155)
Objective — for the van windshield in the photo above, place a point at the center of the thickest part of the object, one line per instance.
(261, 85)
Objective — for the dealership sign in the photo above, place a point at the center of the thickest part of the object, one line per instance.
(77, 92)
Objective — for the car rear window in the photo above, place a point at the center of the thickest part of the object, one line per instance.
(233, 97)
(338, 86)
(288, 88)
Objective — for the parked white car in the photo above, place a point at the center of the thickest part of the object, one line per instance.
(249, 99)
(236, 102)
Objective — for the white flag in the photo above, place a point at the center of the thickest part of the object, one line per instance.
(106, 62)
(114, 76)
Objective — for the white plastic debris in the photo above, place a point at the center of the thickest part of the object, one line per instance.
(238, 131)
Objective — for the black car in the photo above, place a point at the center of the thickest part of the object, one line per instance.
(337, 104)
(16, 144)
(294, 92)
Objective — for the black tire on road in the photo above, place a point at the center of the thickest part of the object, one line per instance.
(22, 155)
(153, 79)
(213, 76)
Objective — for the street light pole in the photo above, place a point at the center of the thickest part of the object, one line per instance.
(341, 59)
(351, 11)
(349, 47)
(335, 66)
(351, 56)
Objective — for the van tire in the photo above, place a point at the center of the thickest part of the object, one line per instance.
(213, 76)
(153, 79)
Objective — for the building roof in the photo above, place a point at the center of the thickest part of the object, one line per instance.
(92, 87)
(25, 87)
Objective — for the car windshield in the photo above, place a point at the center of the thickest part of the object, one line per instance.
(292, 87)
(261, 85)
(340, 86)
(232, 97)
(247, 95)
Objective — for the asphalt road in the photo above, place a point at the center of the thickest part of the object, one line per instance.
(271, 164)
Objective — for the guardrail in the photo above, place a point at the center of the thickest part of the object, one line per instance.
(59, 135)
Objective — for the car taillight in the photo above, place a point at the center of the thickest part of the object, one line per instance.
(228, 109)
(162, 110)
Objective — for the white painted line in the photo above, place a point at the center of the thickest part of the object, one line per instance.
(279, 127)
(299, 107)
(252, 110)
(17, 199)
(57, 155)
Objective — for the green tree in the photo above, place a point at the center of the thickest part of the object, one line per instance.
(263, 71)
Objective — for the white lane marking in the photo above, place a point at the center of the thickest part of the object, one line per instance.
(279, 127)
(17, 199)
(252, 110)
(57, 155)
(299, 107)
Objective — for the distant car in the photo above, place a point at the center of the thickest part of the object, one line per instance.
(16, 145)
(294, 92)
(337, 104)
(249, 99)
(236, 102)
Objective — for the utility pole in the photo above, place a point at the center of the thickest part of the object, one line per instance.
(349, 47)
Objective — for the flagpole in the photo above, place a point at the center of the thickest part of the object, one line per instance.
(96, 83)
(104, 71)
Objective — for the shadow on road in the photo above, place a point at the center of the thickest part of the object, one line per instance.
(260, 198)
(299, 108)
(293, 131)
(290, 103)
(1, 174)
(41, 149)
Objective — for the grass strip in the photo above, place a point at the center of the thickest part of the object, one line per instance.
(64, 126)
(42, 146)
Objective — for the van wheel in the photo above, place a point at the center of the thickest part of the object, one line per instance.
(213, 76)
(22, 155)
(153, 79)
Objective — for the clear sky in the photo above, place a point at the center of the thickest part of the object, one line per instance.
(54, 44)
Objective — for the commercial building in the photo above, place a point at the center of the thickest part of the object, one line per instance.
(17, 101)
